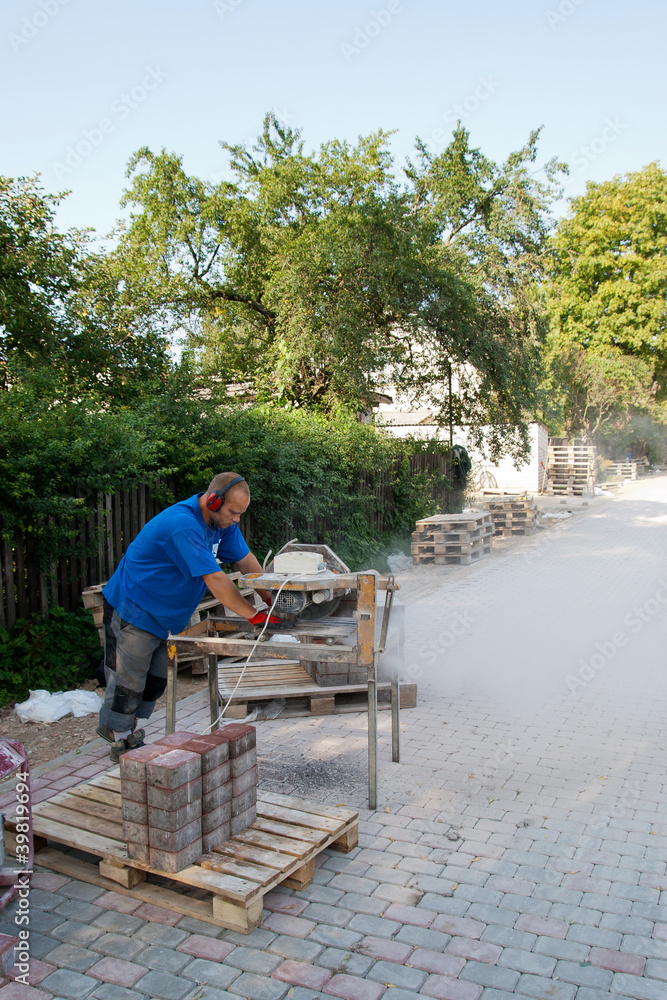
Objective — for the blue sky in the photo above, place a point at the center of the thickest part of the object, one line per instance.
(108, 77)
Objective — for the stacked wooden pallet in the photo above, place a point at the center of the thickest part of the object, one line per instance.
(622, 470)
(452, 538)
(571, 469)
(512, 515)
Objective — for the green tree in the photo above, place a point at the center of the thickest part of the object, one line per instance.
(318, 277)
(64, 310)
(39, 270)
(598, 391)
(609, 292)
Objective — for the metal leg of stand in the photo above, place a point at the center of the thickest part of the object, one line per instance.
(170, 716)
(395, 714)
(366, 589)
(213, 695)
(372, 743)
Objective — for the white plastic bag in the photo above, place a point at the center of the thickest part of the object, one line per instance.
(44, 706)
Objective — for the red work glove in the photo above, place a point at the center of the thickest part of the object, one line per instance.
(260, 617)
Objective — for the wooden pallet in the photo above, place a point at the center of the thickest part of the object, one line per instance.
(452, 522)
(519, 529)
(426, 559)
(269, 680)
(225, 887)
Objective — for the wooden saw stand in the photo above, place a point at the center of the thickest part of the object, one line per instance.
(232, 636)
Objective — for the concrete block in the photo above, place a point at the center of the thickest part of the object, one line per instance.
(243, 820)
(174, 798)
(213, 751)
(173, 769)
(136, 833)
(138, 852)
(215, 777)
(247, 800)
(241, 738)
(174, 841)
(244, 762)
(210, 821)
(175, 741)
(134, 812)
(133, 763)
(244, 782)
(7, 944)
(133, 791)
(173, 819)
(216, 798)
(176, 861)
(216, 837)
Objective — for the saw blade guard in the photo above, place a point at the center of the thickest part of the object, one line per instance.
(299, 605)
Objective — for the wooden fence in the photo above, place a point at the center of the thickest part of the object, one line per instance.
(114, 520)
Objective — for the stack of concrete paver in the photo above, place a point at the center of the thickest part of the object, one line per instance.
(452, 538)
(512, 514)
(187, 793)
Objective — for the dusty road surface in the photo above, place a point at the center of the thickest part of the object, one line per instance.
(519, 848)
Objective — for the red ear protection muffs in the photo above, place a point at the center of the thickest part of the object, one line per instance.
(216, 500)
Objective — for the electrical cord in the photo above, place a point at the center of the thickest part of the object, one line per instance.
(288, 579)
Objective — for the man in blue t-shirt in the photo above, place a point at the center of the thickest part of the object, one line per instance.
(158, 584)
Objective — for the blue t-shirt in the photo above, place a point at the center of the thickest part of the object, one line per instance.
(158, 582)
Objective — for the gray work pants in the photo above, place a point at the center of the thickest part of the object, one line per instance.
(135, 666)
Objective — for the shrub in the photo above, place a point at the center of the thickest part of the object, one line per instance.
(55, 652)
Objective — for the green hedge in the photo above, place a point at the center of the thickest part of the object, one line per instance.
(303, 467)
(54, 652)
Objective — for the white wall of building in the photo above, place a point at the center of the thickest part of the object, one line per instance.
(530, 476)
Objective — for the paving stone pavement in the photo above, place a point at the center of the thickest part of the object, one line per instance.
(520, 847)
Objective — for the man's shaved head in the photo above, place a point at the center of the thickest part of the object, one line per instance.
(222, 479)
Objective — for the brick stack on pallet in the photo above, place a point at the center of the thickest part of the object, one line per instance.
(187, 793)
(512, 515)
(452, 539)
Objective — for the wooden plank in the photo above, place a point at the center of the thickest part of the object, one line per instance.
(8, 570)
(142, 505)
(272, 810)
(241, 919)
(308, 835)
(80, 822)
(95, 793)
(117, 528)
(332, 812)
(83, 803)
(302, 877)
(108, 536)
(78, 837)
(242, 869)
(20, 580)
(286, 845)
(254, 855)
(169, 899)
(282, 651)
